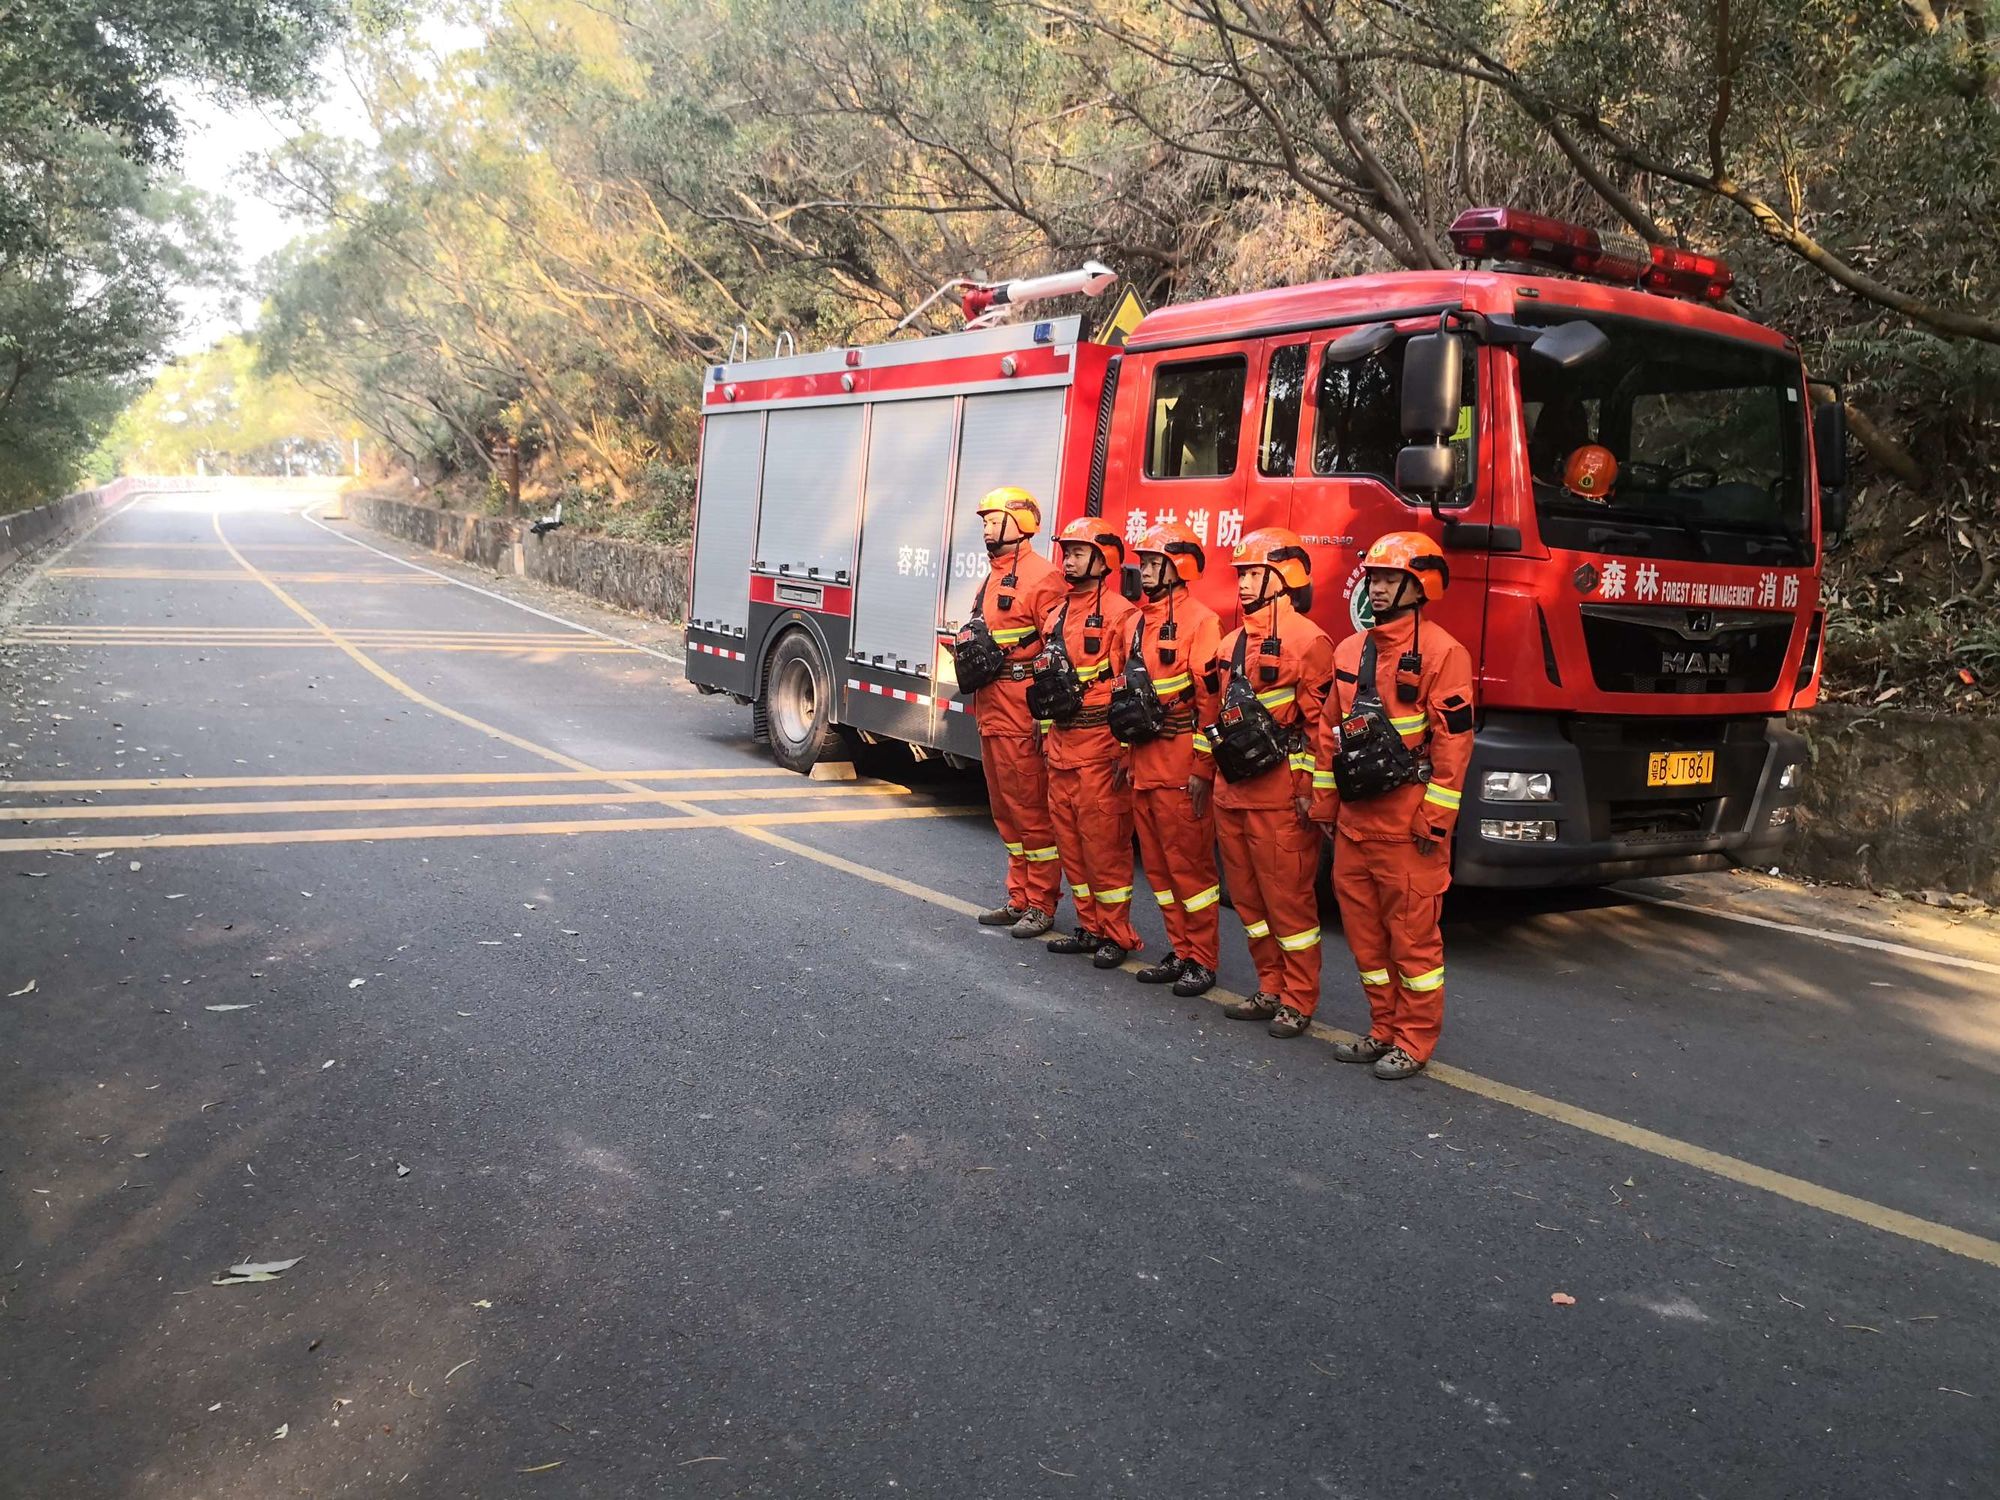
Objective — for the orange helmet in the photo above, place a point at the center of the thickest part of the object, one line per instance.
(1092, 532)
(1413, 553)
(1591, 471)
(1280, 550)
(1180, 547)
(1014, 501)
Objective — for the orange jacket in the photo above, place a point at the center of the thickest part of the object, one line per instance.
(1097, 632)
(1184, 672)
(1017, 595)
(1438, 726)
(1292, 684)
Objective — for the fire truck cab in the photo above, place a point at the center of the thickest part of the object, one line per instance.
(1635, 650)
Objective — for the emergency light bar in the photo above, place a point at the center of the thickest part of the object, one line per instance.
(1510, 234)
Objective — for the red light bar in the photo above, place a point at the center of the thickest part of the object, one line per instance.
(1682, 273)
(1510, 234)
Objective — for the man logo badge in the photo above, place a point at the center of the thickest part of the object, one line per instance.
(1694, 663)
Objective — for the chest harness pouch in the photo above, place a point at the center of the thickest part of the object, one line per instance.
(1137, 714)
(1055, 692)
(980, 659)
(1246, 740)
(1372, 760)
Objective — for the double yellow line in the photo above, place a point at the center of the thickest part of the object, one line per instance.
(536, 643)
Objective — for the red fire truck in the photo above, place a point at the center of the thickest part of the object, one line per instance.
(1635, 652)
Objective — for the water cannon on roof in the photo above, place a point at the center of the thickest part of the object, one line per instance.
(986, 304)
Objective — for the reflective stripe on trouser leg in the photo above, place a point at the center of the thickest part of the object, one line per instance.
(1065, 795)
(1017, 785)
(1178, 850)
(1104, 829)
(1232, 837)
(1287, 855)
(1361, 924)
(1408, 891)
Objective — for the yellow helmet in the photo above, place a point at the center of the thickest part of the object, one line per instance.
(1012, 500)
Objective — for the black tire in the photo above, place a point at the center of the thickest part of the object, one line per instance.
(798, 705)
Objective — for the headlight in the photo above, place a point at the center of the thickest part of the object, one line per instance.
(1791, 776)
(1524, 831)
(1517, 786)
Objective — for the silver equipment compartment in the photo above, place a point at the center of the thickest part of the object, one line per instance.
(732, 464)
(903, 556)
(812, 473)
(1011, 437)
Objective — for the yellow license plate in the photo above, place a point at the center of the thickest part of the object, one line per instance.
(1680, 768)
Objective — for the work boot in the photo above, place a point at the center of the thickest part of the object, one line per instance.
(1196, 979)
(1076, 942)
(1396, 1063)
(1258, 1007)
(1109, 955)
(1364, 1051)
(1002, 916)
(1166, 971)
(1288, 1023)
(1034, 922)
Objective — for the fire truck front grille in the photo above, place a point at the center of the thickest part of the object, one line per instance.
(1637, 649)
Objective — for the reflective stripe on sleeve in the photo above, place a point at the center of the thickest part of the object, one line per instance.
(1115, 897)
(1172, 684)
(1374, 977)
(1203, 900)
(1298, 942)
(1040, 856)
(1443, 796)
(1277, 697)
(1091, 674)
(1413, 724)
(1325, 781)
(1257, 930)
(1202, 746)
(1431, 981)
(1012, 637)
(1302, 760)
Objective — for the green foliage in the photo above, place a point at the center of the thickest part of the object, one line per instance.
(93, 239)
(217, 412)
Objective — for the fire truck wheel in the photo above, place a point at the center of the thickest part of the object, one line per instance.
(798, 697)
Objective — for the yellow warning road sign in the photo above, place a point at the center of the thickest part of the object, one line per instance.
(1124, 318)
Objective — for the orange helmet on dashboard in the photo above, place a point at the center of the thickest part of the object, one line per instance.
(1280, 550)
(1179, 546)
(1092, 532)
(1413, 553)
(1016, 502)
(1591, 471)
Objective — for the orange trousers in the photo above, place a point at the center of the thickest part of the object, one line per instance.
(1017, 785)
(1390, 896)
(1093, 821)
(1271, 860)
(1178, 851)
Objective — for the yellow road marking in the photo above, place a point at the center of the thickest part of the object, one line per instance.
(401, 832)
(284, 632)
(1654, 1143)
(1729, 1168)
(128, 810)
(394, 778)
(319, 547)
(542, 648)
(224, 575)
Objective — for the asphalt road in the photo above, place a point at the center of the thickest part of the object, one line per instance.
(646, 1121)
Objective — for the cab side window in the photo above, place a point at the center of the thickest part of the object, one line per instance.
(1196, 418)
(1358, 429)
(1284, 399)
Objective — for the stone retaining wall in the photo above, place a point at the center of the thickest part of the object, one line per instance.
(1903, 801)
(646, 579)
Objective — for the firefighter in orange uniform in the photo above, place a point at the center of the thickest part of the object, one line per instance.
(1389, 773)
(1085, 641)
(1273, 679)
(1178, 637)
(996, 650)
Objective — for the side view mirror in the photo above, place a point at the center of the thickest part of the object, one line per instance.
(1830, 457)
(1568, 345)
(1433, 376)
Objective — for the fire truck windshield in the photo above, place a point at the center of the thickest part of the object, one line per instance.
(1709, 439)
